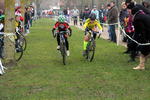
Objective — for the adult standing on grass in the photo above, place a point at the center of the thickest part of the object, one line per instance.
(65, 13)
(141, 24)
(86, 14)
(95, 11)
(68, 15)
(81, 17)
(108, 9)
(112, 19)
(75, 14)
(102, 14)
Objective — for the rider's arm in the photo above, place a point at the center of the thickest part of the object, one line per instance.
(99, 26)
(67, 25)
(86, 24)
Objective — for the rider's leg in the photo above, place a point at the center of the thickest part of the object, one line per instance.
(67, 46)
(67, 43)
(95, 30)
(86, 41)
(58, 41)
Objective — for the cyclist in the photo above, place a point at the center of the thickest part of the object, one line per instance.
(90, 24)
(62, 26)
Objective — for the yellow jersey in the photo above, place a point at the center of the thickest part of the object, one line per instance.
(91, 26)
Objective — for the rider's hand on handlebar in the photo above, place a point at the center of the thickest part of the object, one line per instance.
(54, 35)
(86, 29)
(100, 32)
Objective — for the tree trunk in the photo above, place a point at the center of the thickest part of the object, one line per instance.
(9, 45)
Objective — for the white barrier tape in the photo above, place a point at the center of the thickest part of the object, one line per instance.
(2, 33)
(11, 36)
(109, 24)
(133, 39)
(126, 34)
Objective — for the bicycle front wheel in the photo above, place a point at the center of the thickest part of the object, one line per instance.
(18, 52)
(91, 49)
(23, 42)
(63, 52)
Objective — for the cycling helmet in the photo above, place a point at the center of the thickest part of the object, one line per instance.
(92, 16)
(2, 17)
(61, 18)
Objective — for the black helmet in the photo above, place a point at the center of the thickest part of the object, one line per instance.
(92, 16)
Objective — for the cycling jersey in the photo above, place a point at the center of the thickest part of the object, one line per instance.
(90, 25)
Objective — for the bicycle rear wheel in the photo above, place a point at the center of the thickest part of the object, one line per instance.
(91, 50)
(63, 51)
(18, 52)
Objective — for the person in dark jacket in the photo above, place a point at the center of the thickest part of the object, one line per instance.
(102, 14)
(108, 9)
(146, 5)
(123, 13)
(81, 17)
(65, 11)
(86, 14)
(27, 18)
(131, 4)
(112, 19)
(141, 24)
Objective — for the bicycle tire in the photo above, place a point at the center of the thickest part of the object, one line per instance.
(91, 50)
(23, 42)
(18, 53)
(63, 52)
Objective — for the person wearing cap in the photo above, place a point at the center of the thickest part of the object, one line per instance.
(112, 19)
(75, 14)
(102, 14)
(86, 14)
(141, 24)
(95, 11)
(131, 4)
(108, 9)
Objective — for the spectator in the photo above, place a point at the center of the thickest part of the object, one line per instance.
(130, 31)
(131, 4)
(75, 13)
(102, 14)
(142, 29)
(146, 5)
(68, 15)
(65, 12)
(81, 17)
(112, 19)
(123, 13)
(108, 9)
(86, 14)
(19, 12)
(95, 12)
(27, 18)
(32, 14)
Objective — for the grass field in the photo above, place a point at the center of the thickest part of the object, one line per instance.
(40, 74)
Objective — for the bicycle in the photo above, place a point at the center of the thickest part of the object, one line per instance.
(21, 39)
(18, 50)
(63, 46)
(90, 49)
